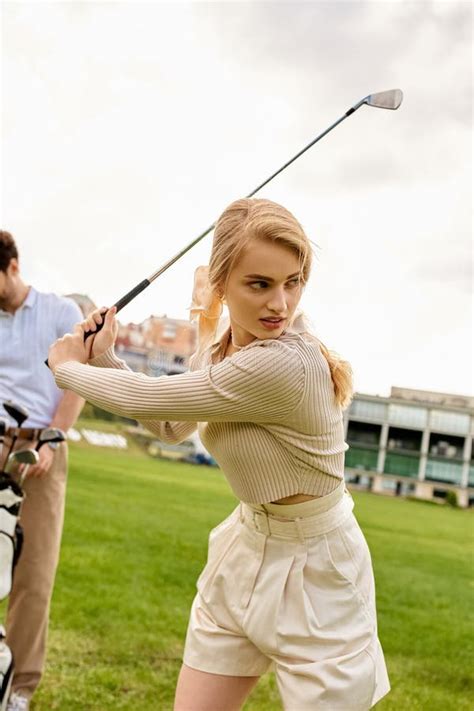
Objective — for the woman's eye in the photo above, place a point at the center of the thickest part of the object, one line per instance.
(258, 285)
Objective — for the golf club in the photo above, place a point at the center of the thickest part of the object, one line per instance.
(50, 434)
(3, 429)
(383, 100)
(19, 414)
(22, 456)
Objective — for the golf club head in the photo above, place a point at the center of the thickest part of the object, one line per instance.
(50, 434)
(18, 412)
(385, 99)
(25, 456)
(22, 456)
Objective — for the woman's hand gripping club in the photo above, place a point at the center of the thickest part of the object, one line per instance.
(101, 328)
(91, 338)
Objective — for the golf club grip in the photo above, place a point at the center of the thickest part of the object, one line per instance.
(121, 303)
(119, 306)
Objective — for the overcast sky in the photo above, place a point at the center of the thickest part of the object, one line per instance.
(128, 127)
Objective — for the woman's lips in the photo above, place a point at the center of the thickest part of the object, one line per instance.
(272, 325)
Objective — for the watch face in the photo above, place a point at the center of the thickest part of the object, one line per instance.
(53, 445)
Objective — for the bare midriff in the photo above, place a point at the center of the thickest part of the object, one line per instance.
(295, 499)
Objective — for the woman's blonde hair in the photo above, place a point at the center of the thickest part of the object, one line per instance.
(242, 221)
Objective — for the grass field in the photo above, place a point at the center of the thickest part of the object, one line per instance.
(135, 539)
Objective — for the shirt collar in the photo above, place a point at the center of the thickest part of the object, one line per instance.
(28, 303)
(30, 300)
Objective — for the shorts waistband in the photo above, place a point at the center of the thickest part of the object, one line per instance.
(306, 508)
(304, 520)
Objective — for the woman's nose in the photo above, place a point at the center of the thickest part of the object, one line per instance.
(277, 301)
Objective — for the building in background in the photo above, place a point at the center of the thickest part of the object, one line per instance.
(415, 442)
(157, 346)
(84, 302)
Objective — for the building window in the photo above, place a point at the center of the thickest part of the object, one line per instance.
(446, 446)
(455, 422)
(169, 331)
(401, 439)
(448, 472)
(368, 410)
(407, 415)
(363, 434)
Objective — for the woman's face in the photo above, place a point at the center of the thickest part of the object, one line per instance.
(263, 291)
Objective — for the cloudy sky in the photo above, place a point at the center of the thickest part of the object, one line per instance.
(128, 127)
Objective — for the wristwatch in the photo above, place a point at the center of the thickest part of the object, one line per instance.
(53, 445)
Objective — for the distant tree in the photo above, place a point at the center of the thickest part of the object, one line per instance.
(452, 499)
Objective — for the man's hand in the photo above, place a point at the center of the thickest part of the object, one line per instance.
(106, 337)
(46, 456)
(69, 347)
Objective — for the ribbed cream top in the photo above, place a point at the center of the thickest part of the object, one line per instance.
(267, 414)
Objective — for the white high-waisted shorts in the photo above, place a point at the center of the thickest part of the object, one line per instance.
(292, 587)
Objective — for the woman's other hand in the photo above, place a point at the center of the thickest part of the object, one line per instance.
(105, 338)
(69, 347)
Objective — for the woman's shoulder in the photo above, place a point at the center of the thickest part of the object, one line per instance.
(293, 345)
(298, 342)
(299, 351)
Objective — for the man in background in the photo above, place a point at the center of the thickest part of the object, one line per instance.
(29, 322)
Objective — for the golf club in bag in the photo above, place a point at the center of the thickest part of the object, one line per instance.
(19, 414)
(383, 100)
(11, 497)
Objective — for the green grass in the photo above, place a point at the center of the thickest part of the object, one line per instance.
(135, 539)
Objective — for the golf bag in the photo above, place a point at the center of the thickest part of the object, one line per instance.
(11, 533)
(6, 670)
(11, 540)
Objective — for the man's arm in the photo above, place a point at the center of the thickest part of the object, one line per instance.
(70, 405)
(65, 417)
(67, 411)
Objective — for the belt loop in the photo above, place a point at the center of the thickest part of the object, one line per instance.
(299, 528)
(241, 512)
(259, 516)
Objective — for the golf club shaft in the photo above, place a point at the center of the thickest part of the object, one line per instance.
(24, 473)
(14, 439)
(387, 100)
(146, 282)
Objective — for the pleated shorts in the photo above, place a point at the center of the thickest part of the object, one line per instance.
(292, 588)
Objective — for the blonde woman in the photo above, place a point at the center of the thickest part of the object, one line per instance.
(288, 582)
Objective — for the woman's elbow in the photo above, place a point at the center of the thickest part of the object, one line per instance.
(163, 430)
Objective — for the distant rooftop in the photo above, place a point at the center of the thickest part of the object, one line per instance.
(435, 398)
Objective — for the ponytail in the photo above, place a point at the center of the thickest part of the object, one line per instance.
(341, 375)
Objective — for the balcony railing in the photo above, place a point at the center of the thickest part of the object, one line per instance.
(361, 444)
(402, 464)
(361, 458)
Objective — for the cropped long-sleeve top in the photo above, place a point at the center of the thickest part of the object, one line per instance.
(267, 414)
